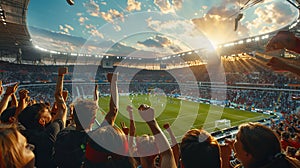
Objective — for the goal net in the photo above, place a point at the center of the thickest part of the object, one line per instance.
(221, 124)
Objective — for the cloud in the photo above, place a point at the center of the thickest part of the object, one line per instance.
(65, 29)
(92, 8)
(182, 32)
(90, 26)
(159, 44)
(82, 20)
(117, 28)
(220, 19)
(223, 10)
(168, 6)
(204, 7)
(214, 26)
(164, 41)
(266, 29)
(69, 27)
(65, 43)
(271, 17)
(111, 15)
(177, 4)
(96, 33)
(150, 43)
(164, 6)
(133, 5)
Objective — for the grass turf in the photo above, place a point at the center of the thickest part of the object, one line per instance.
(182, 115)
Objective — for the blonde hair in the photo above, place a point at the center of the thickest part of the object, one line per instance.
(11, 152)
(146, 145)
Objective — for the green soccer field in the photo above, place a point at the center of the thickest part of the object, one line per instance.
(182, 115)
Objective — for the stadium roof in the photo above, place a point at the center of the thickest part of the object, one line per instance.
(13, 28)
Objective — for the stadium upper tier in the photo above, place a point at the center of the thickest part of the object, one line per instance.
(249, 84)
(238, 71)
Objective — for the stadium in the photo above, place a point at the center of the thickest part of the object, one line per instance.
(191, 82)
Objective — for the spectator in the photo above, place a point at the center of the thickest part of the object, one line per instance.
(108, 145)
(257, 146)
(7, 117)
(71, 142)
(15, 152)
(108, 148)
(10, 90)
(145, 149)
(291, 151)
(286, 140)
(42, 128)
(167, 157)
(199, 149)
(10, 115)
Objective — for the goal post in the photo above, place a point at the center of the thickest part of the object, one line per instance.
(222, 124)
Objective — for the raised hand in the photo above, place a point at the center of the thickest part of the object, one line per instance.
(65, 95)
(23, 94)
(147, 114)
(112, 77)
(166, 126)
(11, 89)
(124, 128)
(130, 112)
(23, 102)
(229, 142)
(62, 71)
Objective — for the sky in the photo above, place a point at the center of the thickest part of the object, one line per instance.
(150, 28)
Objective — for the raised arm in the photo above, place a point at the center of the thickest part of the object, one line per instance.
(14, 101)
(96, 93)
(23, 101)
(10, 90)
(60, 102)
(175, 145)
(114, 100)
(131, 126)
(167, 160)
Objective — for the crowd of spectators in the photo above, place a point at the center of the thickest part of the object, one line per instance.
(59, 133)
(49, 104)
(237, 70)
(251, 74)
